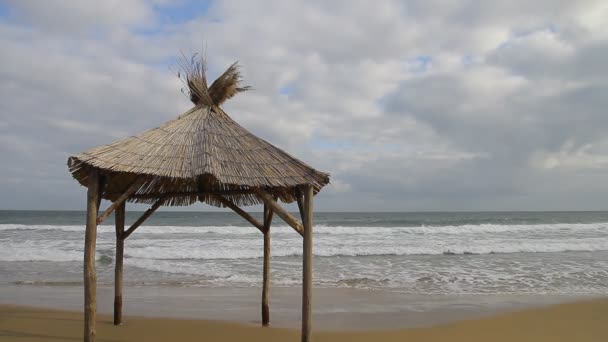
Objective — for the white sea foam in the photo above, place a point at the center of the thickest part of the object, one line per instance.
(33, 251)
(193, 249)
(419, 259)
(339, 230)
(140, 230)
(151, 245)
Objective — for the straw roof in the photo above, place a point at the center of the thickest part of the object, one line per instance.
(200, 154)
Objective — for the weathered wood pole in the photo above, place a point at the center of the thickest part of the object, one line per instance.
(90, 274)
(268, 213)
(120, 248)
(307, 265)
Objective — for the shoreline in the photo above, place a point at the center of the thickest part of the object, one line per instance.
(334, 309)
(579, 321)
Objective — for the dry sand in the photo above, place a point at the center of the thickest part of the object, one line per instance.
(580, 321)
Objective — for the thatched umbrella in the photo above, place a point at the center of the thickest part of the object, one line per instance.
(205, 156)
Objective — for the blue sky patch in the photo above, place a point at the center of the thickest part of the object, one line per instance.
(183, 11)
(421, 63)
(287, 89)
(175, 13)
(467, 60)
(5, 10)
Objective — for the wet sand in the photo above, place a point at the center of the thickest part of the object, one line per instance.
(580, 321)
(333, 308)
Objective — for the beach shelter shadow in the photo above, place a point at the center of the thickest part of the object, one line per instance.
(202, 156)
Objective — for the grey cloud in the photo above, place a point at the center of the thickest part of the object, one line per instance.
(509, 114)
(77, 17)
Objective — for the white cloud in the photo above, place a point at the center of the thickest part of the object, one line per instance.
(573, 157)
(425, 103)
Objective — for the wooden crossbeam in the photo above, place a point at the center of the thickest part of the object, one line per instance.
(283, 214)
(239, 211)
(142, 218)
(130, 190)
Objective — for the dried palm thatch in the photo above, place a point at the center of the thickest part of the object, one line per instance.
(199, 155)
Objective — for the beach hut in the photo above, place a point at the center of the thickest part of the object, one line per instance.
(201, 156)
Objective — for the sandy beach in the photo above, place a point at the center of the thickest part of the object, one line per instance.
(334, 308)
(579, 321)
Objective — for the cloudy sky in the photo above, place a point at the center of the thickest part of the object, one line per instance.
(410, 105)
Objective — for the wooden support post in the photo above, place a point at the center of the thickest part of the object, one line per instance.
(142, 218)
(307, 265)
(266, 273)
(239, 211)
(90, 275)
(282, 213)
(120, 247)
(130, 190)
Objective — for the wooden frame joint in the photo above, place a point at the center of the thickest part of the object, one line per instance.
(229, 204)
(130, 190)
(141, 219)
(282, 213)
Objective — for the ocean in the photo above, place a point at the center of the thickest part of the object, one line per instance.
(468, 253)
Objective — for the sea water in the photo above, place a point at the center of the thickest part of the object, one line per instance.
(416, 253)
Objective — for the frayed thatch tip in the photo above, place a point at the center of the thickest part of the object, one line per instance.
(193, 75)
